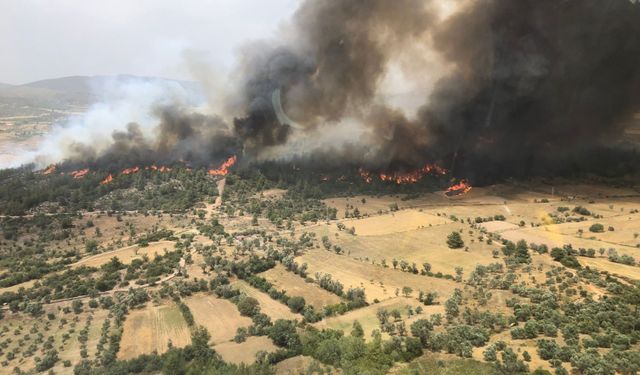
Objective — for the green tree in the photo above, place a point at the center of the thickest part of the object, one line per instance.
(454, 240)
(296, 304)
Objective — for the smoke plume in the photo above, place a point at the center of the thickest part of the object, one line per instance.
(521, 87)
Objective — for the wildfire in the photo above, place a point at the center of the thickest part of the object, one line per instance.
(413, 176)
(130, 170)
(161, 169)
(366, 175)
(80, 173)
(50, 169)
(460, 188)
(404, 177)
(108, 179)
(223, 170)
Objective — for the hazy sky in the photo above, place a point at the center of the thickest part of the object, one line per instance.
(47, 39)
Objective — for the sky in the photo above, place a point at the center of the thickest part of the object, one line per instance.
(42, 39)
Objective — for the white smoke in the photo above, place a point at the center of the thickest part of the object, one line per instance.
(124, 100)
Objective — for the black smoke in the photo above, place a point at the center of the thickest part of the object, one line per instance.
(536, 86)
(180, 136)
(532, 87)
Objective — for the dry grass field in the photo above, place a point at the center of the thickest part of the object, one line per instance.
(552, 236)
(127, 254)
(299, 364)
(366, 316)
(416, 246)
(151, 328)
(294, 285)
(220, 317)
(603, 264)
(372, 205)
(400, 221)
(245, 352)
(378, 282)
(274, 309)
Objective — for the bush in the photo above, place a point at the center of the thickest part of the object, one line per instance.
(296, 304)
(596, 228)
(248, 306)
(454, 241)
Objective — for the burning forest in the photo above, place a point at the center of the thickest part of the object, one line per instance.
(519, 89)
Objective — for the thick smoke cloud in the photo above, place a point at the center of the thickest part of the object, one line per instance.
(526, 87)
(534, 86)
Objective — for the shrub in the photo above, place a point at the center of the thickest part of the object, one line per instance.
(454, 241)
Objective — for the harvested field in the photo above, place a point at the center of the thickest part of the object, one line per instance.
(427, 245)
(366, 316)
(126, 254)
(603, 264)
(400, 221)
(294, 285)
(269, 306)
(245, 352)
(552, 236)
(151, 328)
(499, 226)
(378, 282)
(372, 205)
(626, 230)
(219, 316)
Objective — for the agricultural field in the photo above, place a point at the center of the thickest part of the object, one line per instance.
(443, 278)
(126, 254)
(245, 352)
(378, 282)
(220, 317)
(269, 306)
(291, 283)
(153, 329)
(367, 316)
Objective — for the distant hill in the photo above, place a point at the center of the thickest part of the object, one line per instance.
(68, 91)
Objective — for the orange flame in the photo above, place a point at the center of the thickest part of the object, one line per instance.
(223, 170)
(366, 175)
(413, 176)
(460, 188)
(130, 170)
(80, 173)
(50, 169)
(404, 177)
(108, 179)
(161, 169)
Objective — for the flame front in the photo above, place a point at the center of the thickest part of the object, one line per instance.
(460, 188)
(366, 175)
(50, 169)
(223, 170)
(80, 173)
(404, 177)
(108, 179)
(130, 170)
(413, 176)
